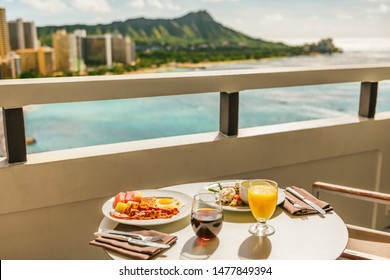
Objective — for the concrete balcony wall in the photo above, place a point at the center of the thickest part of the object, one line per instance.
(51, 205)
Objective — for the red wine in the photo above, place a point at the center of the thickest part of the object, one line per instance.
(206, 223)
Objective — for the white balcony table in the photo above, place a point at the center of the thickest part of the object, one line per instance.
(310, 237)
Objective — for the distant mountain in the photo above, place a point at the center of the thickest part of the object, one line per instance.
(196, 29)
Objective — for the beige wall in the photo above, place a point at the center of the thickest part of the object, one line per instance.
(50, 207)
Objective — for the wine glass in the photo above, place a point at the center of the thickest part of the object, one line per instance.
(262, 197)
(206, 215)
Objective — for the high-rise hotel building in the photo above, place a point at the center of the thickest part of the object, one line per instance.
(23, 34)
(8, 66)
(40, 60)
(97, 50)
(5, 47)
(122, 49)
(19, 35)
(65, 50)
(68, 50)
(107, 50)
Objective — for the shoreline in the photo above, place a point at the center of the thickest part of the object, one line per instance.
(191, 65)
(206, 64)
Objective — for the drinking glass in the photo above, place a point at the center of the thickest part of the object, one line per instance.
(206, 215)
(262, 197)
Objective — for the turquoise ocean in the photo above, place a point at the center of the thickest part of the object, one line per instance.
(71, 125)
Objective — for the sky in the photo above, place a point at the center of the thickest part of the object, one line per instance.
(265, 19)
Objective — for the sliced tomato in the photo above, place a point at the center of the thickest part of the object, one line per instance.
(129, 196)
(120, 197)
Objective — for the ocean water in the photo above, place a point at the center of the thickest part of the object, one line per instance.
(64, 126)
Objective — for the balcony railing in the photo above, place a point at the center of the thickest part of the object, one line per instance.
(58, 195)
(14, 94)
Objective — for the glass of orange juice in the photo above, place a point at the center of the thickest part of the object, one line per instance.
(262, 198)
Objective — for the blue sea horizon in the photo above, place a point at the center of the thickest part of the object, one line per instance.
(71, 125)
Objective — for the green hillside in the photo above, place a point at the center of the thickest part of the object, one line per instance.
(194, 30)
(195, 37)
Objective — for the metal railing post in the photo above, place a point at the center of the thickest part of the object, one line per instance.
(368, 96)
(228, 118)
(14, 134)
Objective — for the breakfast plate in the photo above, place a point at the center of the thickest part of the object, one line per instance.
(245, 207)
(185, 210)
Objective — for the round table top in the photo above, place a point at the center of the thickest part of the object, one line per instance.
(309, 237)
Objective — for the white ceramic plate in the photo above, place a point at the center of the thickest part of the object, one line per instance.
(185, 210)
(232, 183)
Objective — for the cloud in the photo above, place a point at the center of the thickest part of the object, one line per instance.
(138, 4)
(314, 17)
(381, 9)
(100, 6)
(384, 9)
(215, 1)
(155, 4)
(273, 17)
(60, 6)
(51, 6)
(345, 16)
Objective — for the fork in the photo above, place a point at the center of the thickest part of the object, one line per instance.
(132, 234)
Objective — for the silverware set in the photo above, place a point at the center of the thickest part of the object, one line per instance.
(132, 234)
(133, 238)
(304, 199)
(294, 203)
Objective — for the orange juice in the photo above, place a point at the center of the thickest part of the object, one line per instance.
(262, 200)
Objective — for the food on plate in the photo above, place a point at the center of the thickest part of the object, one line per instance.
(236, 201)
(148, 201)
(226, 195)
(168, 203)
(124, 197)
(229, 195)
(134, 206)
(120, 207)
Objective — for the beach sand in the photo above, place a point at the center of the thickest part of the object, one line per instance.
(188, 65)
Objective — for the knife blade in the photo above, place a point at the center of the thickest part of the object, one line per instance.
(132, 234)
(307, 201)
(132, 240)
(148, 243)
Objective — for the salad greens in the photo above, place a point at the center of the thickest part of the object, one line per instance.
(216, 190)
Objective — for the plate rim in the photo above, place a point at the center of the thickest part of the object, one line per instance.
(246, 209)
(184, 212)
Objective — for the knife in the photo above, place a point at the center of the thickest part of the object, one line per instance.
(132, 240)
(304, 199)
(132, 234)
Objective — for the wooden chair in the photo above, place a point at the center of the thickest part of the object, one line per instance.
(363, 243)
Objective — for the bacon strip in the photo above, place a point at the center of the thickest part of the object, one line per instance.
(140, 211)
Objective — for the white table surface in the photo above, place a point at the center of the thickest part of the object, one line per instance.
(310, 237)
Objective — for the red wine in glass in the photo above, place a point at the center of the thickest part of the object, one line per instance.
(206, 223)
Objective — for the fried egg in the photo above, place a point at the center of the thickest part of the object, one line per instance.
(168, 203)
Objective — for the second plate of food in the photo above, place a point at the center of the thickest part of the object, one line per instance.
(216, 187)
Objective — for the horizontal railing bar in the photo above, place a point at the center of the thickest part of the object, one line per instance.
(21, 92)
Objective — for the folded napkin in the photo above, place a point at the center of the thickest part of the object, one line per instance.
(130, 250)
(305, 208)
